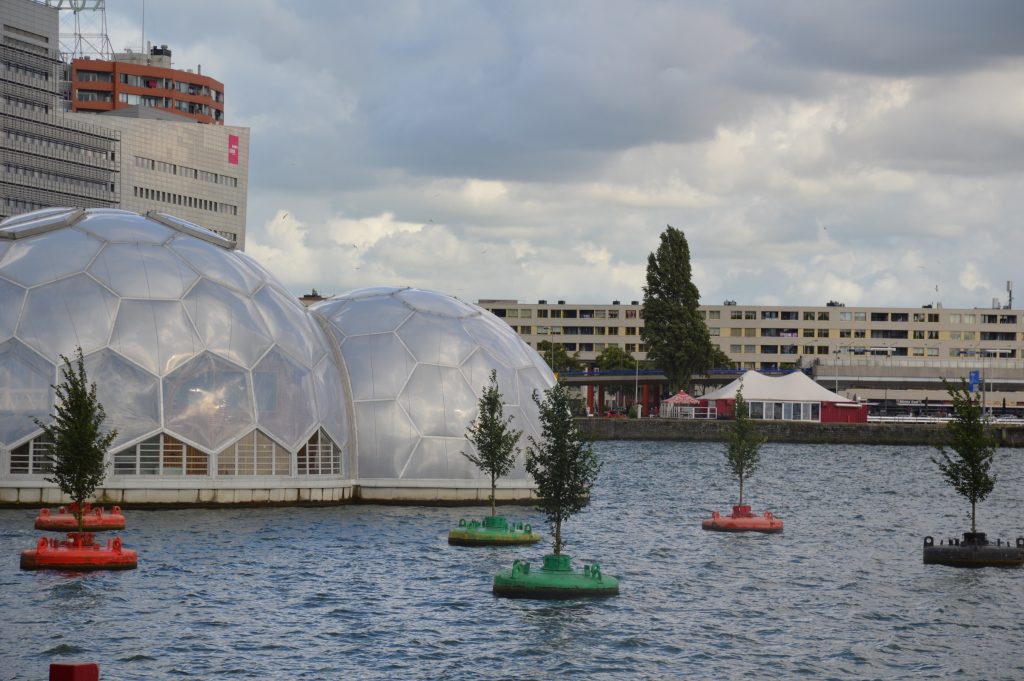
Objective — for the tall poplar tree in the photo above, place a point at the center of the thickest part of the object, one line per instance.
(562, 463)
(493, 437)
(968, 473)
(676, 336)
(79, 444)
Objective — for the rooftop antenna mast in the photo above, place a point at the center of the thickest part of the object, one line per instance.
(83, 29)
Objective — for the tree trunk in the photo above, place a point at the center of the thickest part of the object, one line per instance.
(80, 514)
(973, 505)
(494, 487)
(558, 537)
(741, 489)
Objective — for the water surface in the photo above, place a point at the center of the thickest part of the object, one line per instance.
(376, 592)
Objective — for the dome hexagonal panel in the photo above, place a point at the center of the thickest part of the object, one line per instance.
(441, 458)
(436, 340)
(216, 263)
(129, 395)
(372, 292)
(477, 370)
(331, 401)
(71, 312)
(228, 323)
(283, 389)
(25, 392)
(12, 297)
(259, 270)
(499, 338)
(208, 401)
(290, 325)
(156, 334)
(437, 303)
(374, 314)
(386, 439)
(530, 380)
(124, 226)
(439, 401)
(143, 271)
(47, 257)
(378, 365)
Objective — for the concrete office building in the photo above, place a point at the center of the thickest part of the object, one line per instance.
(139, 156)
(879, 353)
(46, 159)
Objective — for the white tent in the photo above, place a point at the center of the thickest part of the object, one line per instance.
(794, 387)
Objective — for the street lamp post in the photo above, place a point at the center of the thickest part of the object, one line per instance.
(636, 387)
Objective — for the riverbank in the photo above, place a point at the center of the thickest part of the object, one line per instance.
(806, 432)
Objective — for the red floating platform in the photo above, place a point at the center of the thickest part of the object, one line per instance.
(742, 520)
(96, 520)
(78, 552)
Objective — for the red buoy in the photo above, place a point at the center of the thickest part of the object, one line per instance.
(74, 671)
(742, 520)
(78, 552)
(95, 519)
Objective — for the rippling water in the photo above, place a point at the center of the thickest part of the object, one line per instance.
(375, 592)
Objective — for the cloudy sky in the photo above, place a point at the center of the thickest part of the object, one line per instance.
(865, 152)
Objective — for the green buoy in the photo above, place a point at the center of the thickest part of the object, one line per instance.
(556, 579)
(495, 530)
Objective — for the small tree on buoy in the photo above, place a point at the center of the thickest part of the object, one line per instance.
(78, 442)
(562, 463)
(493, 437)
(743, 443)
(968, 473)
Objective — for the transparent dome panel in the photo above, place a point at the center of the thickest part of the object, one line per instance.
(143, 271)
(72, 312)
(437, 303)
(441, 458)
(12, 297)
(43, 216)
(4, 247)
(520, 423)
(378, 366)
(372, 292)
(290, 325)
(477, 370)
(228, 323)
(437, 340)
(217, 264)
(386, 439)
(25, 392)
(259, 270)
(48, 257)
(500, 339)
(207, 401)
(129, 395)
(439, 401)
(373, 315)
(285, 408)
(530, 380)
(331, 402)
(124, 226)
(157, 334)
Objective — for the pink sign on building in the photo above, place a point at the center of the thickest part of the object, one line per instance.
(233, 149)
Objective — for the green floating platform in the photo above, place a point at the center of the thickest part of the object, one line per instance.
(495, 530)
(556, 579)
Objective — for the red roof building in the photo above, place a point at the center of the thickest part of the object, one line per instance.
(134, 79)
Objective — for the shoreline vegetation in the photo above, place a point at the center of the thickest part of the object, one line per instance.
(801, 432)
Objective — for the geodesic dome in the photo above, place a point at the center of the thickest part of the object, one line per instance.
(204, 363)
(417, 363)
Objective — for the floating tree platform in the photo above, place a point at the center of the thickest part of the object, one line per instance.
(495, 530)
(742, 520)
(94, 518)
(78, 552)
(555, 579)
(974, 551)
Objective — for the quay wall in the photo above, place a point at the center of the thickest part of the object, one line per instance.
(786, 431)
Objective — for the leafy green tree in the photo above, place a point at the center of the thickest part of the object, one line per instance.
(743, 443)
(493, 437)
(614, 357)
(562, 463)
(968, 473)
(79, 442)
(676, 336)
(557, 358)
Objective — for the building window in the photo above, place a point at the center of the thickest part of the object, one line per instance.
(714, 314)
(32, 458)
(319, 456)
(254, 454)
